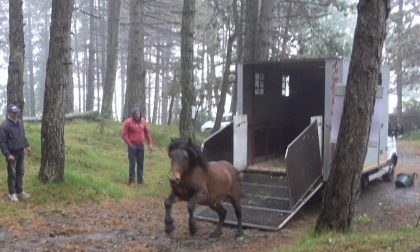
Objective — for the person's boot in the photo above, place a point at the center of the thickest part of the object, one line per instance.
(24, 195)
(13, 197)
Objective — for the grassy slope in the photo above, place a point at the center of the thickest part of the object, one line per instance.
(96, 169)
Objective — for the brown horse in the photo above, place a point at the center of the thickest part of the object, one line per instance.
(199, 182)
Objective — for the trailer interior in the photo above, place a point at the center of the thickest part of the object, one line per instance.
(283, 152)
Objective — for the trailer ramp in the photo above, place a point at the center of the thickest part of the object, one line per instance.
(270, 200)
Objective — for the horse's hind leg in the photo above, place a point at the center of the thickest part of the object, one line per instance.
(169, 221)
(221, 211)
(235, 199)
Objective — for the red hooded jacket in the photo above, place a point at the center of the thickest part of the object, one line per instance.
(135, 132)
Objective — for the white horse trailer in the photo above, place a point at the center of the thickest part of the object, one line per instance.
(284, 136)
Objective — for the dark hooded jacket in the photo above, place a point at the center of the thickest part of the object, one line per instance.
(12, 136)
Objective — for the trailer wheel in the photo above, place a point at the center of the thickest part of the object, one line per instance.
(364, 183)
(389, 176)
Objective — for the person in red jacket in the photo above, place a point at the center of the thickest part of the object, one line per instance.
(134, 132)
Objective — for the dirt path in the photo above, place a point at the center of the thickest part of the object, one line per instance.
(138, 226)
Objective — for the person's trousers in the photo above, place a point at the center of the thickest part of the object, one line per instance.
(135, 156)
(15, 170)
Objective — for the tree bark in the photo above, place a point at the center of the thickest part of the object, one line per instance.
(239, 54)
(102, 38)
(285, 36)
(399, 59)
(264, 30)
(135, 92)
(90, 92)
(17, 56)
(157, 78)
(226, 72)
(251, 24)
(31, 82)
(123, 63)
(165, 83)
(344, 181)
(58, 77)
(70, 93)
(114, 10)
(148, 85)
(186, 128)
(76, 58)
(212, 81)
(225, 85)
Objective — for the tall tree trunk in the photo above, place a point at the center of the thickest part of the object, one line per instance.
(172, 96)
(76, 58)
(135, 92)
(344, 181)
(123, 63)
(58, 77)
(44, 41)
(102, 38)
(239, 51)
(85, 77)
(186, 128)
(171, 107)
(157, 81)
(165, 83)
(114, 10)
(285, 37)
(98, 64)
(17, 55)
(90, 92)
(399, 60)
(70, 93)
(148, 85)
(264, 30)
(225, 82)
(31, 82)
(251, 24)
(203, 84)
(213, 85)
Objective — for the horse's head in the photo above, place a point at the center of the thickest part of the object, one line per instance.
(184, 155)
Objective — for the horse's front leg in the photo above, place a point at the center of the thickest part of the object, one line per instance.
(221, 212)
(192, 204)
(169, 221)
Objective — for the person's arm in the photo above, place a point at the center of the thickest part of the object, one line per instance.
(124, 133)
(148, 135)
(24, 135)
(3, 143)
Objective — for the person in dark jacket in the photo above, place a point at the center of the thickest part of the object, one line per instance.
(13, 143)
(134, 133)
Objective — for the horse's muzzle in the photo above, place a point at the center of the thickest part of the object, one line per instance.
(174, 180)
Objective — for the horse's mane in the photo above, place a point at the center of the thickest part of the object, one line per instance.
(196, 156)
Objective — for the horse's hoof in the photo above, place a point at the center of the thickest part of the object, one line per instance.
(216, 234)
(169, 228)
(239, 236)
(193, 229)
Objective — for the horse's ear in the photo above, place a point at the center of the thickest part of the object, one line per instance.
(189, 141)
(172, 140)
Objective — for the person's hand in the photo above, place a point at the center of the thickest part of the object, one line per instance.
(10, 158)
(151, 147)
(28, 150)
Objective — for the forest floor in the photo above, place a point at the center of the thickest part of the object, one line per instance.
(130, 225)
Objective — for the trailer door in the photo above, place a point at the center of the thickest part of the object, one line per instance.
(303, 166)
